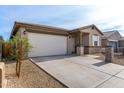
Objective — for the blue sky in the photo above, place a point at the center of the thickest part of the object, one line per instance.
(105, 18)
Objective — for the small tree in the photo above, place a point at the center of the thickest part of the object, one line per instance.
(18, 50)
(22, 48)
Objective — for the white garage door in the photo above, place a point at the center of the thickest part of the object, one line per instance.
(46, 45)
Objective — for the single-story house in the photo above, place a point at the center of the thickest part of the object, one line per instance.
(113, 38)
(121, 42)
(48, 40)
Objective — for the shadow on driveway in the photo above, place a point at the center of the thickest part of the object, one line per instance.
(100, 64)
(51, 58)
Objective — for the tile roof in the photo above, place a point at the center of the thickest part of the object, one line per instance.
(109, 33)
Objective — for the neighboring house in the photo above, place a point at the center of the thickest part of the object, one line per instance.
(47, 40)
(121, 42)
(113, 38)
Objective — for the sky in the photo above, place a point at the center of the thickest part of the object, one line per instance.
(106, 18)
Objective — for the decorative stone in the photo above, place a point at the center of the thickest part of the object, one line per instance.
(80, 50)
(109, 54)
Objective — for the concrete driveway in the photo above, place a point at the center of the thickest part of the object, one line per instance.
(82, 72)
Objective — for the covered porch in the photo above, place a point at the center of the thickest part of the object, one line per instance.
(82, 43)
(77, 40)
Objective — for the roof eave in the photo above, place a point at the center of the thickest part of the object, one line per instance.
(19, 24)
(13, 29)
(91, 26)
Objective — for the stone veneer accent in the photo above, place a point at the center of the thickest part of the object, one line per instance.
(109, 54)
(93, 49)
(2, 75)
(80, 50)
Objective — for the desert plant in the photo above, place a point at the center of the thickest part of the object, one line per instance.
(7, 49)
(21, 47)
(17, 49)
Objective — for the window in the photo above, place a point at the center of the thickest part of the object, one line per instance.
(95, 43)
(95, 40)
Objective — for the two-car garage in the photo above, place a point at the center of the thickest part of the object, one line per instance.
(47, 44)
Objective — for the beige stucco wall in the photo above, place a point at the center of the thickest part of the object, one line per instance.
(91, 33)
(20, 32)
(71, 44)
(2, 75)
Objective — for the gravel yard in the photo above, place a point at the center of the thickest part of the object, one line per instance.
(118, 59)
(31, 77)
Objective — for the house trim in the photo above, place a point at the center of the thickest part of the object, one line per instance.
(38, 29)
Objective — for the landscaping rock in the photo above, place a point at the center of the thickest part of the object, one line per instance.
(109, 54)
(31, 77)
(80, 51)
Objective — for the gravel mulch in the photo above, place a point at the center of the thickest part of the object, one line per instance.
(118, 59)
(31, 77)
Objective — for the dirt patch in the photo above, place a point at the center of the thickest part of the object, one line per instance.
(31, 77)
(118, 59)
(100, 56)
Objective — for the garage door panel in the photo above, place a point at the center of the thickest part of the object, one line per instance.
(46, 45)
